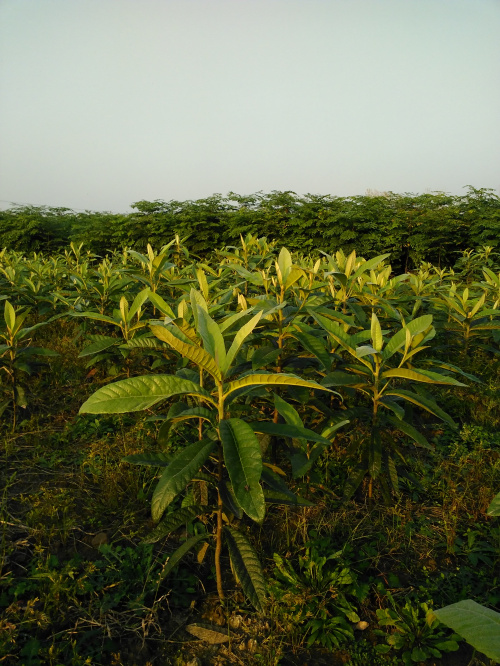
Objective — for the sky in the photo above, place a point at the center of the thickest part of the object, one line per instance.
(108, 102)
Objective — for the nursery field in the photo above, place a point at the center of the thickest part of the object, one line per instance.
(251, 456)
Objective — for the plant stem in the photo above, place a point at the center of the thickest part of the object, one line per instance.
(218, 533)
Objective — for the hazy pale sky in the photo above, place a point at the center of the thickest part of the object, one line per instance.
(107, 102)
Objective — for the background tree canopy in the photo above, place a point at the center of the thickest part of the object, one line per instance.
(433, 227)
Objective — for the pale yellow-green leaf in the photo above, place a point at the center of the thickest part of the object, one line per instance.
(376, 333)
(272, 380)
(195, 354)
(478, 305)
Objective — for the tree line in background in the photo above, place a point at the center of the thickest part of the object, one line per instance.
(434, 227)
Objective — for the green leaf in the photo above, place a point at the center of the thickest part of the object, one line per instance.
(173, 521)
(194, 413)
(424, 376)
(239, 338)
(243, 459)
(375, 455)
(247, 568)
(284, 264)
(494, 507)
(336, 332)
(21, 399)
(229, 500)
(376, 333)
(193, 353)
(177, 556)
(284, 499)
(137, 393)
(143, 342)
(365, 350)
(288, 412)
(232, 319)
(99, 346)
(393, 406)
(354, 481)
(272, 380)
(264, 356)
(339, 378)
(9, 315)
(162, 306)
(315, 346)
(180, 471)
(276, 483)
(137, 303)
(148, 459)
(409, 430)
(368, 265)
(450, 366)
(212, 337)
(97, 317)
(416, 326)
(286, 430)
(393, 474)
(4, 405)
(479, 626)
(425, 403)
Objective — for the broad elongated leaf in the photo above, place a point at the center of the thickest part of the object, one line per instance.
(9, 315)
(137, 393)
(286, 430)
(177, 556)
(36, 351)
(315, 346)
(173, 521)
(375, 455)
(446, 365)
(239, 338)
(480, 626)
(368, 265)
(409, 430)
(143, 342)
(272, 380)
(425, 403)
(247, 568)
(425, 376)
(398, 340)
(276, 483)
(181, 470)
(364, 350)
(288, 412)
(393, 474)
(494, 507)
(336, 331)
(376, 333)
(162, 306)
(393, 406)
(339, 378)
(148, 459)
(195, 354)
(243, 459)
(229, 500)
(301, 469)
(194, 413)
(284, 263)
(231, 320)
(137, 303)
(275, 497)
(212, 337)
(263, 356)
(354, 481)
(99, 346)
